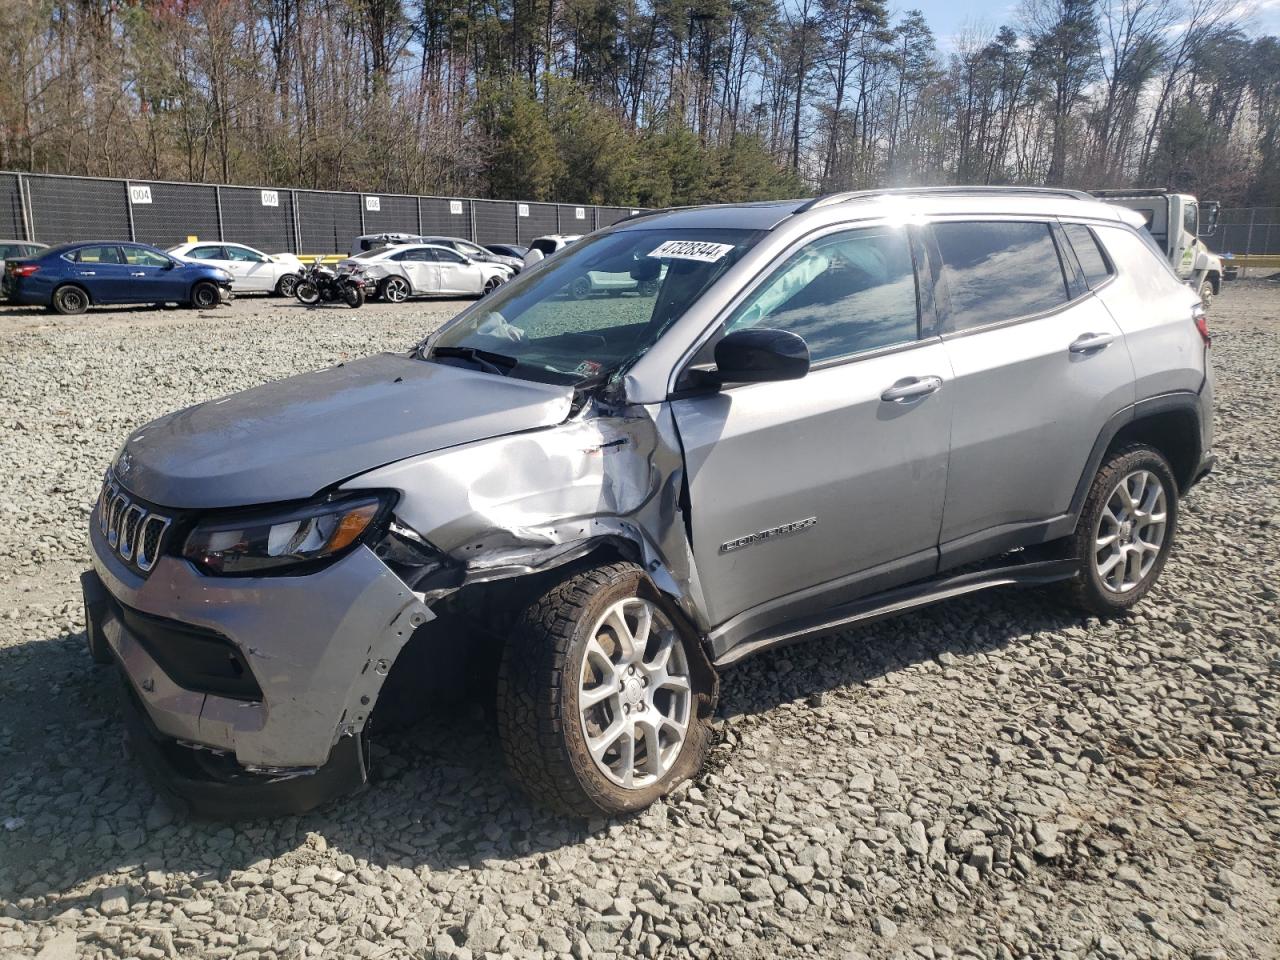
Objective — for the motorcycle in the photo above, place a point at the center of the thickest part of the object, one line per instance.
(322, 283)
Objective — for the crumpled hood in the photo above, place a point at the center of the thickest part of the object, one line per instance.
(290, 439)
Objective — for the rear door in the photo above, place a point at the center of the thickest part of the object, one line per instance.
(812, 491)
(1040, 366)
(420, 269)
(100, 269)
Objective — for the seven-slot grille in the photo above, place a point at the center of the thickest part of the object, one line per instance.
(133, 530)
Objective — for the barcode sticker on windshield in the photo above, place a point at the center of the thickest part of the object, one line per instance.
(691, 250)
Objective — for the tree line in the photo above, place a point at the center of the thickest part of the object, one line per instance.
(651, 102)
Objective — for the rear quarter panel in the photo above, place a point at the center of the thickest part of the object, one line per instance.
(1154, 309)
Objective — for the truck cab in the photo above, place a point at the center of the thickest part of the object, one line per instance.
(1174, 221)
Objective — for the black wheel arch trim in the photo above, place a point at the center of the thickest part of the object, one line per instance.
(1182, 401)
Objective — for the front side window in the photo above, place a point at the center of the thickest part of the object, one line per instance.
(1191, 219)
(843, 294)
(994, 271)
(142, 257)
(556, 324)
(445, 255)
(243, 253)
(206, 253)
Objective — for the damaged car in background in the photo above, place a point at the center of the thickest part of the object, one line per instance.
(805, 416)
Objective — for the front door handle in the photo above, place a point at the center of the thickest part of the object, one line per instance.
(1088, 342)
(88, 273)
(140, 273)
(912, 388)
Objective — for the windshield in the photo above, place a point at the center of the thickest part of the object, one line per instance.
(595, 307)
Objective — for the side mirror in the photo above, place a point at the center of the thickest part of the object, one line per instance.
(169, 264)
(758, 356)
(1209, 214)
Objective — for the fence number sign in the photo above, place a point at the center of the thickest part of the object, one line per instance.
(373, 204)
(270, 198)
(524, 209)
(139, 194)
(455, 207)
(579, 213)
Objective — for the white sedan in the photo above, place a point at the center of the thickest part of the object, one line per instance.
(252, 271)
(425, 269)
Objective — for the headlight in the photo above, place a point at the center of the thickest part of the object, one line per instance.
(221, 274)
(265, 542)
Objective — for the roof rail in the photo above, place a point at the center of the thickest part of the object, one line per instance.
(832, 198)
(1135, 192)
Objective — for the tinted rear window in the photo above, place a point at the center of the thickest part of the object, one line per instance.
(1093, 261)
(998, 270)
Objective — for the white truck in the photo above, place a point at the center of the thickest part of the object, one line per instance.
(1174, 221)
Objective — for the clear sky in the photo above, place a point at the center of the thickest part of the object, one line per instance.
(950, 18)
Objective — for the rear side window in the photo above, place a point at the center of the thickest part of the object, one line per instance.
(998, 270)
(1094, 263)
(843, 293)
(97, 255)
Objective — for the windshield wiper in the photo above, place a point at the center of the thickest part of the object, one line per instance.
(486, 360)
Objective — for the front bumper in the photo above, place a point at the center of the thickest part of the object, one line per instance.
(317, 649)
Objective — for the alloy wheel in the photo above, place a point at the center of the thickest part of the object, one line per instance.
(396, 290)
(634, 694)
(1131, 531)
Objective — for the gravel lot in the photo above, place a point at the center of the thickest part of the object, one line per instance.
(995, 777)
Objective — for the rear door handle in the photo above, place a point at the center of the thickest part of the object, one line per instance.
(88, 273)
(1088, 342)
(912, 388)
(140, 273)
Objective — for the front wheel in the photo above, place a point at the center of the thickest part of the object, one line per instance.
(604, 704)
(1206, 293)
(204, 295)
(353, 296)
(1125, 531)
(307, 292)
(490, 285)
(287, 285)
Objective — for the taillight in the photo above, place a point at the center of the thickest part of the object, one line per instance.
(1201, 318)
(23, 269)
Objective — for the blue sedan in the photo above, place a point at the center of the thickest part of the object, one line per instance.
(75, 276)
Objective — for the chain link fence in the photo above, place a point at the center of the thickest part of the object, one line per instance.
(1246, 232)
(56, 209)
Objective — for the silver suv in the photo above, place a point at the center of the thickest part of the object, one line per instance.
(802, 416)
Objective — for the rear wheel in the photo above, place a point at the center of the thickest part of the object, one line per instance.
(603, 704)
(394, 290)
(1125, 531)
(70, 300)
(204, 295)
(286, 285)
(581, 288)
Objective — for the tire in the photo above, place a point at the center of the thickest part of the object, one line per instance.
(581, 288)
(647, 288)
(204, 295)
(307, 293)
(490, 285)
(70, 300)
(353, 297)
(1206, 293)
(1121, 548)
(564, 639)
(394, 290)
(287, 285)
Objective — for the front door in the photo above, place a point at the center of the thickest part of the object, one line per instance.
(809, 492)
(457, 275)
(420, 269)
(152, 277)
(250, 271)
(1039, 366)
